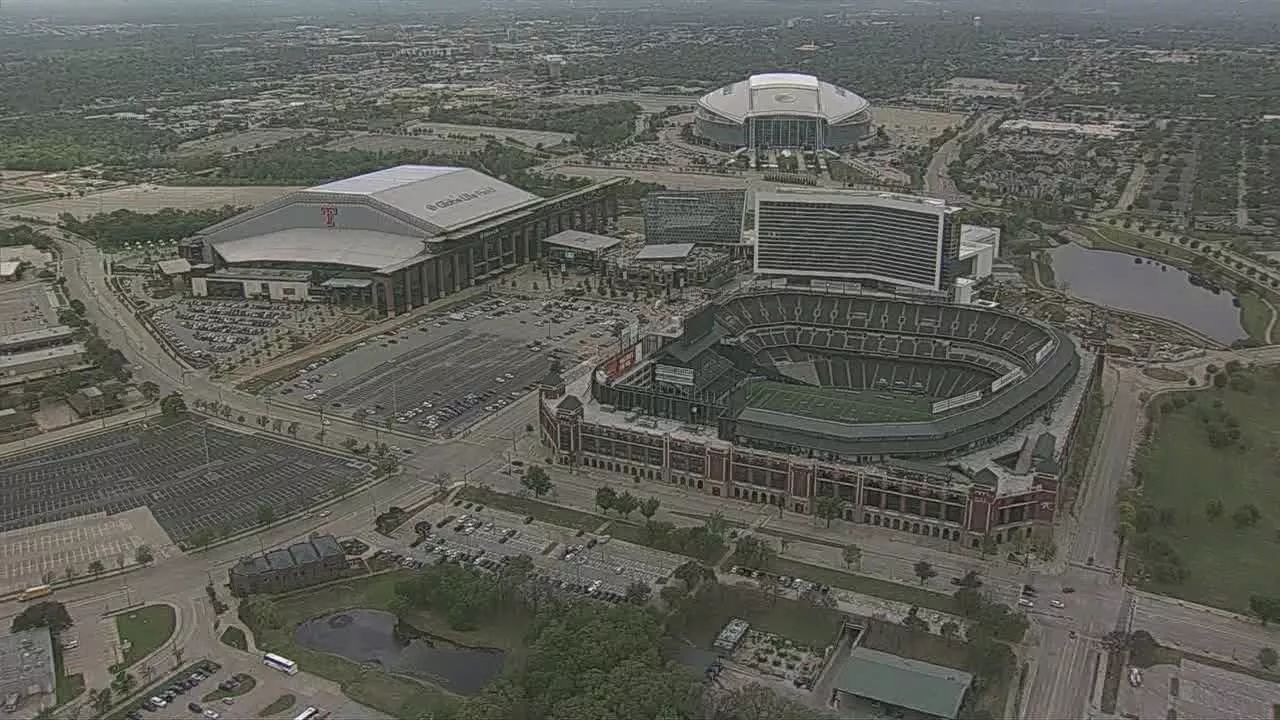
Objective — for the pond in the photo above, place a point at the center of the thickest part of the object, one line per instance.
(372, 637)
(1129, 282)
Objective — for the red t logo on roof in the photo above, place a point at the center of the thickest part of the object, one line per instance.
(330, 214)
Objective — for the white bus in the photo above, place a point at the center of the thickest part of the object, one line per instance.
(310, 713)
(283, 664)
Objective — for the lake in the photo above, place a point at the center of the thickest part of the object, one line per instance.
(370, 637)
(1128, 282)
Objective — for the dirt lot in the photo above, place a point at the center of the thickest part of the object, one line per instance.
(908, 126)
(152, 198)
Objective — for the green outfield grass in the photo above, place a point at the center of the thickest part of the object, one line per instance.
(849, 406)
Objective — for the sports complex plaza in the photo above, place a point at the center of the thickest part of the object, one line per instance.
(937, 419)
(394, 239)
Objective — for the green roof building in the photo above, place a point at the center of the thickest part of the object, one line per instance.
(930, 690)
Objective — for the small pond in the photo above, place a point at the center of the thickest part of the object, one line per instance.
(1129, 282)
(372, 637)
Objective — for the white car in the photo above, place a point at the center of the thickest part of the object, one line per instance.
(211, 714)
(159, 702)
(312, 396)
(1057, 603)
(1026, 603)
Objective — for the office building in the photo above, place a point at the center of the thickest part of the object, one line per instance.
(882, 239)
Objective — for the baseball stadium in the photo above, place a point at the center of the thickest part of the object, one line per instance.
(944, 420)
(782, 110)
(852, 377)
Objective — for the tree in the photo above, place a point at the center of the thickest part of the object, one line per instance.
(753, 552)
(638, 593)
(716, 524)
(173, 405)
(1267, 657)
(925, 571)
(852, 556)
(1246, 515)
(149, 390)
(124, 684)
(144, 555)
(829, 508)
(178, 652)
(755, 702)
(649, 508)
(537, 481)
(100, 700)
(266, 514)
(950, 629)
(96, 568)
(625, 504)
(987, 545)
(971, 579)
(605, 498)
(50, 614)
(1266, 608)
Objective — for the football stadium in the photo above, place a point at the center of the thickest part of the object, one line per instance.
(944, 420)
(780, 111)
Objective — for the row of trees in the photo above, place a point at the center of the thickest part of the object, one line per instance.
(118, 228)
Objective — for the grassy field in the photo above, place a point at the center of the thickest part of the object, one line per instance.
(1255, 317)
(392, 694)
(144, 630)
(546, 512)
(66, 687)
(279, 705)
(870, 406)
(875, 587)
(234, 637)
(1183, 473)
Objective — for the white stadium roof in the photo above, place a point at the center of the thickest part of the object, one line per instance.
(429, 202)
(783, 94)
(356, 248)
(443, 197)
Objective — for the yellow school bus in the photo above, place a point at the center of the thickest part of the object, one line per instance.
(32, 593)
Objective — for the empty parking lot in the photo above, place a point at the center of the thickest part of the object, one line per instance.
(445, 372)
(191, 475)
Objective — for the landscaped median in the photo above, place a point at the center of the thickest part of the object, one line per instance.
(143, 631)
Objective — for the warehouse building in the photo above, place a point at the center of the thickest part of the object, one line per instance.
(396, 238)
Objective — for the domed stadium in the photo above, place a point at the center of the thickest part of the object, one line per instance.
(851, 376)
(782, 110)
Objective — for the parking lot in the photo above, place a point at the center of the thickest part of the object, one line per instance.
(231, 331)
(26, 306)
(562, 558)
(447, 371)
(269, 685)
(34, 555)
(192, 475)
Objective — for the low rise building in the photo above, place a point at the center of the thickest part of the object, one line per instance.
(26, 670)
(48, 362)
(892, 686)
(318, 560)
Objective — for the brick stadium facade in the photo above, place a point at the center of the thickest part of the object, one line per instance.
(905, 496)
